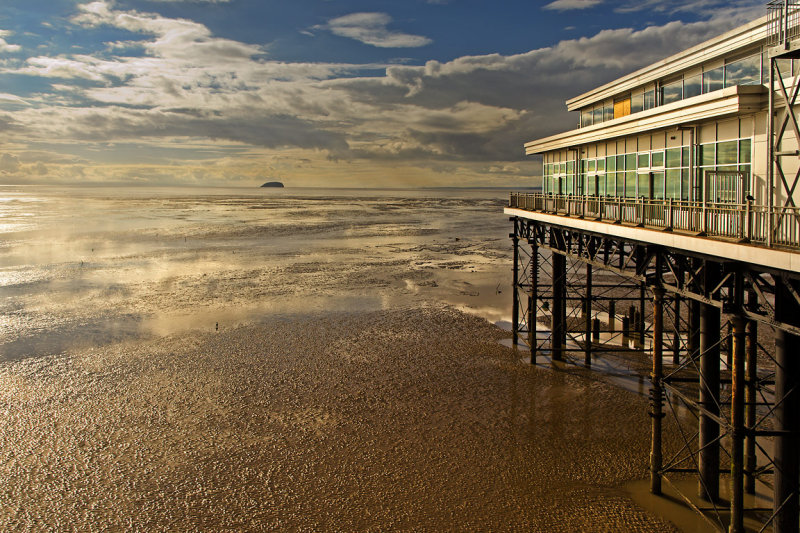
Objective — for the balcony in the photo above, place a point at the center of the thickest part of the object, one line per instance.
(747, 223)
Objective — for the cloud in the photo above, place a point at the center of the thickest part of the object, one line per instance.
(568, 5)
(9, 163)
(181, 101)
(4, 46)
(371, 29)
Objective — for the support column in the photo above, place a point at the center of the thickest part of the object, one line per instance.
(533, 303)
(694, 328)
(587, 313)
(750, 398)
(737, 423)
(559, 329)
(693, 339)
(676, 334)
(515, 285)
(709, 391)
(787, 414)
(656, 391)
(640, 333)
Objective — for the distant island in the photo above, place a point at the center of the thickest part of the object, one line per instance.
(273, 184)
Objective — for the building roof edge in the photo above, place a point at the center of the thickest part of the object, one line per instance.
(676, 62)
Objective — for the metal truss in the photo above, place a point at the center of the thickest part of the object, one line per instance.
(702, 315)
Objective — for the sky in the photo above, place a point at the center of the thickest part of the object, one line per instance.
(322, 93)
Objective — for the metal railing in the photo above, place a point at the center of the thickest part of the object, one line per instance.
(747, 222)
(783, 21)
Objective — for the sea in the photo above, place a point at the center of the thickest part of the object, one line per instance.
(93, 266)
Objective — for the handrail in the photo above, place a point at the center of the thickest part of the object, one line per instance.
(783, 21)
(747, 222)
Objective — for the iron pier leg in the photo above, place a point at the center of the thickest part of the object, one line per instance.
(709, 394)
(750, 461)
(693, 340)
(737, 421)
(656, 392)
(587, 313)
(787, 414)
(533, 300)
(559, 329)
(640, 336)
(515, 296)
(676, 335)
(612, 316)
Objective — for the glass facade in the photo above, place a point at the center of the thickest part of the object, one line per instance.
(660, 174)
(748, 70)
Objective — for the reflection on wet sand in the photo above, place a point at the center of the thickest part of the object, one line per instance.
(247, 362)
(339, 421)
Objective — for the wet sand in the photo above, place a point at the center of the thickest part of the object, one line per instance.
(407, 419)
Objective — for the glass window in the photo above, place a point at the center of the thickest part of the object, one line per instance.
(727, 153)
(622, 107)
(601, 165)
(657, 159)
(637, 102)
(744, 149)
(657, 190)
(673, 183)
(671, 92)
(712, 79)
(620, 178)
(707, 154)
(685, 184)
(592, 165)
(784, 67)
(643, 161)
(745, 71)
(586, 117)
(620, 162)
(611, 163)
(608, 111)
(673, 157)
(692, 86)
(644, 184)
(597, 115)
(649, 99)
(630, 183)
(630, 161)
(570, 167)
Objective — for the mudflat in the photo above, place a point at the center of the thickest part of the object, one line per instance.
(405, 419)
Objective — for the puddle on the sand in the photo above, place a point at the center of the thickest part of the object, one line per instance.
(673, 506)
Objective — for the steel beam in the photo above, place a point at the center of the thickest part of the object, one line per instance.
(709, 393)
(787, 416)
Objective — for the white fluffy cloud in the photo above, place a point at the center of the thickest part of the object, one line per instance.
(191, 94)
(372, 29)
(5, 46)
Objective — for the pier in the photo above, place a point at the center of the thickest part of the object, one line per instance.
(674, 236)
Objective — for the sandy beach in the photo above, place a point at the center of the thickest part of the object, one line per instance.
(415, 419)
(305, 362)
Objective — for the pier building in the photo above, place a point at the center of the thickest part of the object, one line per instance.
(667, 225)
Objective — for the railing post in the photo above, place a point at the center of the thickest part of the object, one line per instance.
(668, 218)
(748, 220)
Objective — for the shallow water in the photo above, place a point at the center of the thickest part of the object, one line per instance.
(217, 360)
(86, 267)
